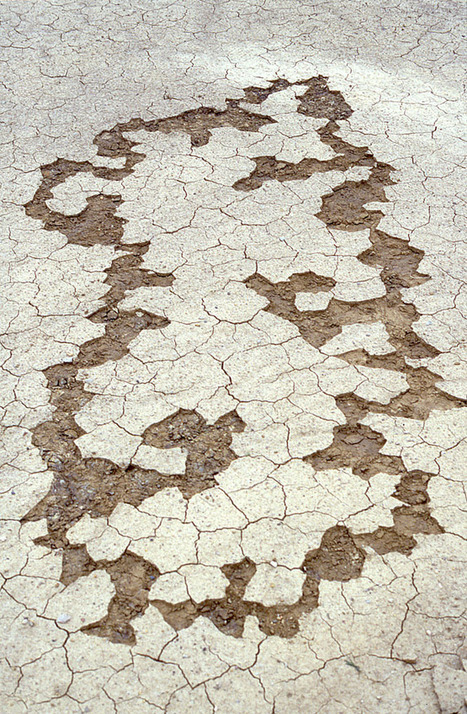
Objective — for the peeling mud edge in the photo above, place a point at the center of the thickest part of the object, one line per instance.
(95, 486)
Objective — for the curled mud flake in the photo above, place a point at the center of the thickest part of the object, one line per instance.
(228, 614)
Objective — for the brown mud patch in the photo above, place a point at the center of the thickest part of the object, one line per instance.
(337, 558)
(96, 486)
(132, 577)
(208, 447)
(228, 614)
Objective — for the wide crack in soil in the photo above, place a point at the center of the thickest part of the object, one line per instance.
(96, 486)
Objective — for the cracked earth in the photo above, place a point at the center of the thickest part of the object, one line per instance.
(233, 371)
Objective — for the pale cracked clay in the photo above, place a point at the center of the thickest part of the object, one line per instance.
(95, 485)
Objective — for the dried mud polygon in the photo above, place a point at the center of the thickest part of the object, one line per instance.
(96, 486)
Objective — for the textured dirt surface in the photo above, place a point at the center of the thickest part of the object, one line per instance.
(234, 407)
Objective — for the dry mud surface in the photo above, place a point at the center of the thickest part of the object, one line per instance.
(233, 373)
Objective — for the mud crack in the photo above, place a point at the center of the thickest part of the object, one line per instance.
(95, 486)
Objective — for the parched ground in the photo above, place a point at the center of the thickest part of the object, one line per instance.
(233, 379)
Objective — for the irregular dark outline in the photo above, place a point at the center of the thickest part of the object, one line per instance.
(340, 555)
